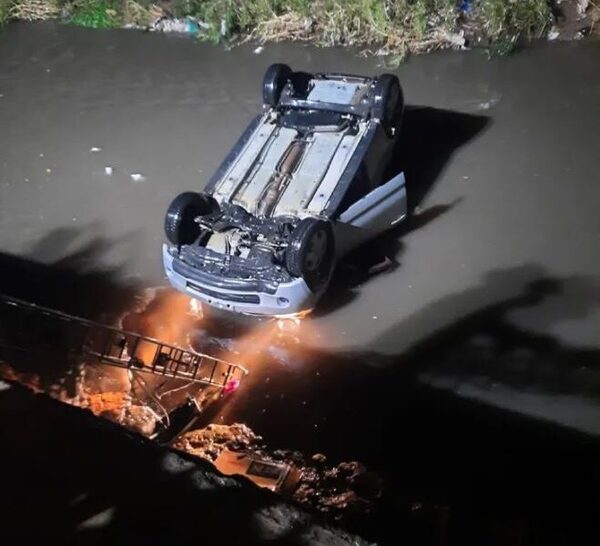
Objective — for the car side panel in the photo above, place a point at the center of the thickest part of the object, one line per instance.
(378, 211)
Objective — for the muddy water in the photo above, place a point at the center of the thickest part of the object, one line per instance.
(502, 167)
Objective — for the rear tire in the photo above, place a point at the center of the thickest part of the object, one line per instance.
(387, 102)
(180, 227)
(276, 76)
(311, 253)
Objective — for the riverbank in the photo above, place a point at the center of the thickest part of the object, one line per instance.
(395, 28)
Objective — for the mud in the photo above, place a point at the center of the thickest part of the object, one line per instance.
(342, 490)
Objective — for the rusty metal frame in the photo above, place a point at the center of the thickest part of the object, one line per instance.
(112, 346)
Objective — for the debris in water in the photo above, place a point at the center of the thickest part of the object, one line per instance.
(95, 149)
(196, 307)
(466, 6)
(103, 402)
(108, 171)
(231, 386)
(140, 419)
(187, 25)
(346, 488)
(138, 177)
(259, 50)
(209, 442)
(582, 6)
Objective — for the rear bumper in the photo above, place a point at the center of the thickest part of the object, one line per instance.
(287, 299)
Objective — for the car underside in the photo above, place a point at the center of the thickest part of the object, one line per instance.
(262, 236)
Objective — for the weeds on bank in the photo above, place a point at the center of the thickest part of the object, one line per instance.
(395, 27)
(97, 13)
(398, 27)
(506, 21)
(5, 6)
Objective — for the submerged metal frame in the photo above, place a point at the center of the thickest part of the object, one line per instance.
(113, 346)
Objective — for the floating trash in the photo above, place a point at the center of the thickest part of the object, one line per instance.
(137, 177)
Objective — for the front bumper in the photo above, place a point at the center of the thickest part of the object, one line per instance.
(289, 298)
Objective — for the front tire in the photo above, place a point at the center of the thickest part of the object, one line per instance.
(180, 225)
(311, 253)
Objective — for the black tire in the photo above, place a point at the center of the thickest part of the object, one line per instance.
(276, 76)
(311, 252)
(180, 227)
(387, 101)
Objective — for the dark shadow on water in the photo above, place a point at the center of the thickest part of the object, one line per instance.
(428, 139)
(458, 470)
(63, 271)
(73, 283)
(476, 471)
(378, 257)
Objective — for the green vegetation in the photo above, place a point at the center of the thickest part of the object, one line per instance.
(505, 21)
(396, 27)
(382, 26)
(5, 9)
(388, 26)
(28, 10)
(509, 18)
(97, 13)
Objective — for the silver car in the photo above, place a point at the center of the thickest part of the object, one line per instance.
(302, 187)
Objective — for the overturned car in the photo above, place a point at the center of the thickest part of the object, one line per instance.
(302, 187)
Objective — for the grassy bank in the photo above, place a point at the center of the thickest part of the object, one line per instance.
(379, 26)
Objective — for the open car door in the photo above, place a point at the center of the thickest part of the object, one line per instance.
(380, 209)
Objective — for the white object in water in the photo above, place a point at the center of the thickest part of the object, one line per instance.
(186, 25)
(138, 177)
(108, 171)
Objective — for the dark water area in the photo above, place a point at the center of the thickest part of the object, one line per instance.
(455, 469)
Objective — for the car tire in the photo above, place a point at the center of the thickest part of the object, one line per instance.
(276, 76)
(387, 101)
(311, 253)
(180, 227)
